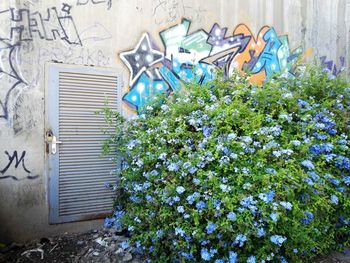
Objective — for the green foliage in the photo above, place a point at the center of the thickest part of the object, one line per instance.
(231, 172)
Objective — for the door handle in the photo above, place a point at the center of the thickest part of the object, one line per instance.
(54, 143)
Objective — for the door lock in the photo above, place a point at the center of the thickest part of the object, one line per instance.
(52, 139)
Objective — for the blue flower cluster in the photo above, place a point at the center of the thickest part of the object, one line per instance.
(237, 173)
(308, 218)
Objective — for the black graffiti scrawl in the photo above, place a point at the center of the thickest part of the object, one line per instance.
(9, 77)
(26, 25)
(95, 2)
(17, 163)
(49, 25)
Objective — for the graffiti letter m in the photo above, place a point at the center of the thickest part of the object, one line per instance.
(17, 161)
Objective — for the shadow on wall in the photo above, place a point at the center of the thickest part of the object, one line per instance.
(187, 57)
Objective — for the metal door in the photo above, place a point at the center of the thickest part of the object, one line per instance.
(77, 171)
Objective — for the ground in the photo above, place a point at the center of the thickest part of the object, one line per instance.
(94, 246)
(101, 246)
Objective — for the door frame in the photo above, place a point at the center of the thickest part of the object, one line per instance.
(51, 99)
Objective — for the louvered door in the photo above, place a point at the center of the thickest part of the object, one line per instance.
(77, 171)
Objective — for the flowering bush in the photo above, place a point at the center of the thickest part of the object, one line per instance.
(230, 172)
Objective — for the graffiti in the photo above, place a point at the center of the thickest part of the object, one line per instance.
(168, 11)
(49, 26)
(331, 67)
(146, 88)
(96, 32)
(17, 162)
(25, 112)
(95, 2)
(30, 2)
(71, 55)
(9, 76)
(66, 8)
(194, 56)
(140, 58)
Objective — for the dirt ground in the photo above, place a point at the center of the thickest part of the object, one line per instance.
(94, 246)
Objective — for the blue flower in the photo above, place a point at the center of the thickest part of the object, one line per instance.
(135, 199)
(180, 209)
(159, 233)
(286, 205)
(191, 198)
(321, 148)
(240, 239)
(173, 167)
(261, 232)
(231, 136)
(108, 223)
(334, 181)
(187, 256)
(308, 218)
(342, 163)
(332, 131)
(251, 259)
(303, 104)
(341, 189)
(132, 143)
(274, 217)
(315, 177)
(308, 164)
(334, 199)
(231, 216)
(124, 245)
(270, 171)
(213, 251)
(346, 180)
(149, 198)
(278, 240)
(267, 198)
(205, 254)
(204, 242)
(309, 181)
(196, 181)
(248, 201)
(224, 188)
(342, 142)
(207, 131)
(232, 258)
(295, 143)
(283, 260)
(180, 189)
(327, 147)
(216, 204)
(315, 149)
(330, 157)
(179, 231)
(201, 205)
(219, 261)
(320, 136)
(210, 228)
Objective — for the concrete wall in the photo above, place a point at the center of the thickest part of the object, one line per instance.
(96, 32)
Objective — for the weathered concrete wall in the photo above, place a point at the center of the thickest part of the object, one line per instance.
(94, 32)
